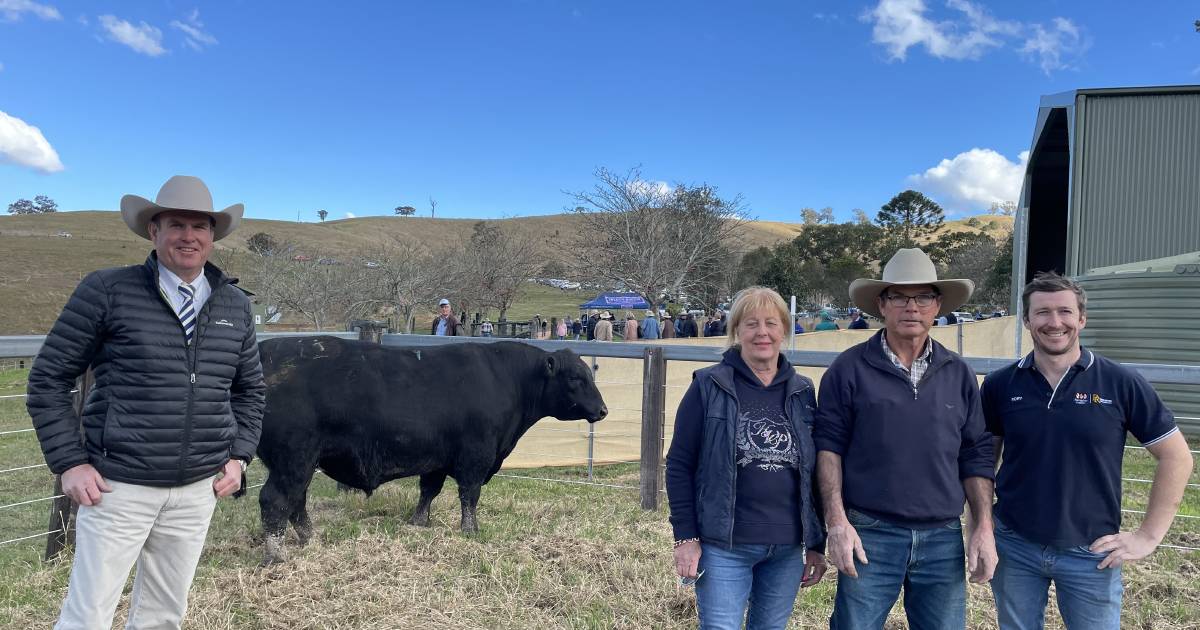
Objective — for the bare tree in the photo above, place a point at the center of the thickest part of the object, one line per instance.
(320, 289)
(860, 216)
(268, 260)
(432, 208)
(651, 239)
(492, 267)
(403, 275)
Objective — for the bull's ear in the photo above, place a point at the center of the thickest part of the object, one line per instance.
(550, 365)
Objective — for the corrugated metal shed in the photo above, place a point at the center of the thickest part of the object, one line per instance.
(1149, 317)
(1113, 177)
(1137, 195)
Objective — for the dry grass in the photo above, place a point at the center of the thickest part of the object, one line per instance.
(548, 556)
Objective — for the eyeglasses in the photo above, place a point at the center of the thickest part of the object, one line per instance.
(687, 581)
(901, 301)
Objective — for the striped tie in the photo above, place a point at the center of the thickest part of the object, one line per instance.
(187, 312)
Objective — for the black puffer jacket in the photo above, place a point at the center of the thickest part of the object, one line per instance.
(161, 413)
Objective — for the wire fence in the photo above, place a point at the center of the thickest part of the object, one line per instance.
(627, 424)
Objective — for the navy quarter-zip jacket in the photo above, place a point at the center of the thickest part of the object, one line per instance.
(905, 451)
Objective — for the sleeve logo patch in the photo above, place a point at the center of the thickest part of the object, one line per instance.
(223, 322)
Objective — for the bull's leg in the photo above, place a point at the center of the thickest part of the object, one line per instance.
(301, 522)
(274, 509)
(468, 495)
(431, 485)
(282, 496)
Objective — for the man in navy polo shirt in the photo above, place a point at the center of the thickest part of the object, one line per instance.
(1061, 415)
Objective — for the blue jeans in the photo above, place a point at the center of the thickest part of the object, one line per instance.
(1087, 597)
(929, 564)
(765, 577)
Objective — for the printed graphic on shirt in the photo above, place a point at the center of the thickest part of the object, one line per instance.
(765, 439)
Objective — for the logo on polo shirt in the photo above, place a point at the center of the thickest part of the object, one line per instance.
(1097, 400)
(1081, 398)
(1016, 398)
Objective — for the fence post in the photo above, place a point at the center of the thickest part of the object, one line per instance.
(63, 509)
(960, 339)
(654, 395)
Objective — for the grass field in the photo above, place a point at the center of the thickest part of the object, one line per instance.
(549, 555)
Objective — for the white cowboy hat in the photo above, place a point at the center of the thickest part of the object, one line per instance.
(181, 192)
(909, 267)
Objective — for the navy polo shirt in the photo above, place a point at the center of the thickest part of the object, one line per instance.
(1059, 482)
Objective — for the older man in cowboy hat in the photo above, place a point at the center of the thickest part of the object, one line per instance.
(901, 442)
(174, 416)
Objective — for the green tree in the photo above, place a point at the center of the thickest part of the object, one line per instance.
(965, 255)
(322, 214)
(998, 285)
(910, 217)
(825, 243)
(405, 211)
(44, 205)
(22, 206)
(751, 268)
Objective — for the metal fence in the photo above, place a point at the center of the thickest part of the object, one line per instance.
(648, 421)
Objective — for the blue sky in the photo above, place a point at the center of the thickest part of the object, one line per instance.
(495, 108)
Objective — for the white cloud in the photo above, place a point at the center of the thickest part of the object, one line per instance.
(826, 17)
(144, 39)
(24, 145)
(902, 24)
(11, 10)
(899, 25)
(83, 19)
(1054, 47)
(194, 34)
(973, 180)
(350, 215)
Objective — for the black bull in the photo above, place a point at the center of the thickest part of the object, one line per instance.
(367, 414)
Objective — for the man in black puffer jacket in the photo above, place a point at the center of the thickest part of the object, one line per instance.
(174, 416)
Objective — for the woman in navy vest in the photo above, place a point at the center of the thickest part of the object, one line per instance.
(748, 530)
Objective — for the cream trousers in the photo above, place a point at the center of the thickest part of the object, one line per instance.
(162, 530)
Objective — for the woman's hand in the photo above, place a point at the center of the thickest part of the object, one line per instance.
(814, 568)
(687, 559)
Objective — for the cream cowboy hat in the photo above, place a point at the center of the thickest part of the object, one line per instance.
(909, 267)
(181, 192)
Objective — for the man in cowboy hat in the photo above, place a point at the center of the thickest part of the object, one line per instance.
(1060, 416)
(604, 329)
(174, 416)
(901, 441)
